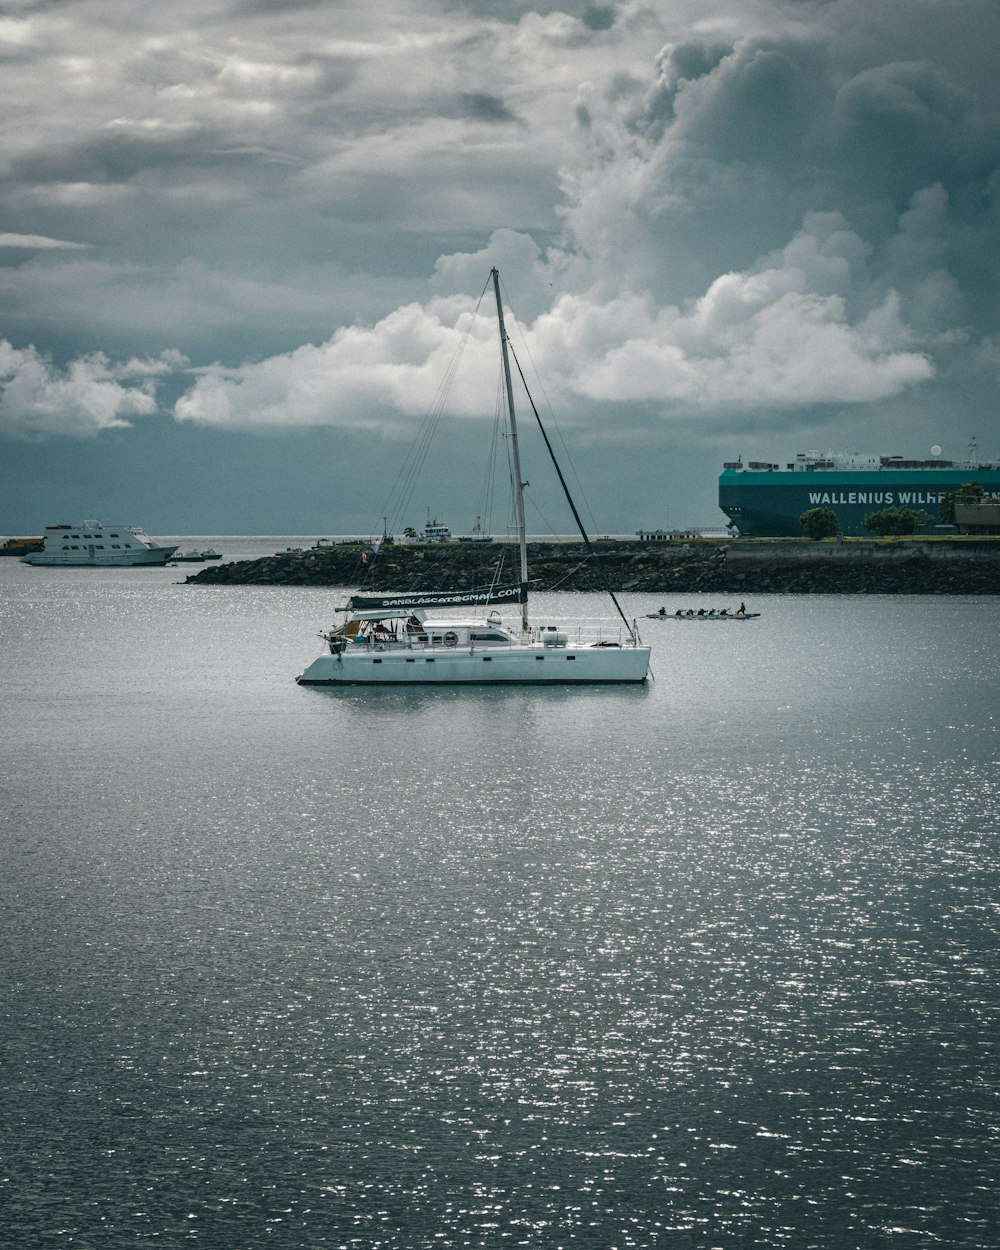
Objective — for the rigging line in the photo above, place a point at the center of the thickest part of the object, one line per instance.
(581, 493)
(357, 577)
(487, 486)
(405, 482)
(546, 527)
(497, 572)
(504, 434)
(569, 499)
(488, 491)
(566, 576)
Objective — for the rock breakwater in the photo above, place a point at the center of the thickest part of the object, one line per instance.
(740, 568)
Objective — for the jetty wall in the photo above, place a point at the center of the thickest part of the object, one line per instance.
(735, 567)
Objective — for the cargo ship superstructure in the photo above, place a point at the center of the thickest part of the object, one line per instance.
(764, 500)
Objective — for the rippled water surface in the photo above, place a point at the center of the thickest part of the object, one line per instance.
(711, 963)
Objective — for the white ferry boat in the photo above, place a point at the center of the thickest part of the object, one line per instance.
(94, 544)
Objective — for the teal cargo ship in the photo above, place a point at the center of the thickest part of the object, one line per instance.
(765, 500)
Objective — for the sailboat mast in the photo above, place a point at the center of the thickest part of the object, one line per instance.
(522, 537)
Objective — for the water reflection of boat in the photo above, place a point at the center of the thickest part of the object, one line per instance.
(385, 639)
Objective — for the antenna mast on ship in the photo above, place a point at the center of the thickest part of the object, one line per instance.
(522, 537)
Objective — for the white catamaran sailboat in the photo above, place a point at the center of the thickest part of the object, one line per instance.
(391, 639)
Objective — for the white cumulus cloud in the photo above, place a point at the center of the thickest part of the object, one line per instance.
(91, 394)
(363, 377)
(784, 334)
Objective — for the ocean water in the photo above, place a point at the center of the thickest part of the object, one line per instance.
(709, 963)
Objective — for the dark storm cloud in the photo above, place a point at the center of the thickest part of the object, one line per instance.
(676, 65)
(737, 145)
(484, 107)
(598, 16)
(760, 103)
(902, 126)
(276, 8)
(595, 16)
(122, 156)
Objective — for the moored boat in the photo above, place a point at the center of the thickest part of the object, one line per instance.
(436, 532)
(195, 557)
(21, 546)
(477, 535)
(94, 544)
(389, 639)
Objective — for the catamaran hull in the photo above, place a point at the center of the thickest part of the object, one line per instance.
(535, 667)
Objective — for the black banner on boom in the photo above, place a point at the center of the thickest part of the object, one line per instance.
(514, 593)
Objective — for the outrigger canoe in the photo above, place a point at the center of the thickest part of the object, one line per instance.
(705, 616)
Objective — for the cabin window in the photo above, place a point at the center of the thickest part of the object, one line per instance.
(65, 548)
(411, 661)
(100, 547)
(539, 657)
(115, 535)
(571, 657)
(115, 546)
(430, 659)
(487, 659)
(489, 637)
(74, 547)
(74, 535)
(376, 661)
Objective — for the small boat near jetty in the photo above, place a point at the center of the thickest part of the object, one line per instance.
(398, 639)
(94, 544)
(195, 557)
(703, 614)
(477, 535)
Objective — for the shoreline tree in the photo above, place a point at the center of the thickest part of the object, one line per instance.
(898, 520)
(819, 523)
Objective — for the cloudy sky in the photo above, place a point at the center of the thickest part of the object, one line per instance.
(240, 243)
